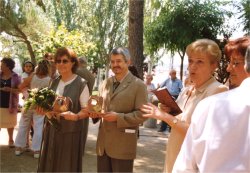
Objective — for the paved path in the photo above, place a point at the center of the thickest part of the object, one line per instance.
(150, 153)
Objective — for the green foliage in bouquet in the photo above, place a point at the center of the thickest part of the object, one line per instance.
(43, 98)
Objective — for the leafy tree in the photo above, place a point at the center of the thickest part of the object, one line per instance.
(107, 28)
(245, 15)
(103, 23)
(70, 13)
(221, 74)
(182, 22)
(61, 37)
(10, 48)
(136, 34)
(19, 19)
(151, 11)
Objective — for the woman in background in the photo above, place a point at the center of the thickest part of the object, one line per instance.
(9, 97)
(39, 79)
(28, 69)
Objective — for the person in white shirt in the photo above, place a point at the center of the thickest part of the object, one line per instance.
(218, 139)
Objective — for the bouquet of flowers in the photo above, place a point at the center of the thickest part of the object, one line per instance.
(50, 102)
(43, 98)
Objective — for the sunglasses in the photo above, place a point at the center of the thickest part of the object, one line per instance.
(64, 61)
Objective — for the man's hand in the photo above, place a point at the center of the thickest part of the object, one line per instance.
(92, 114)
(110, 116)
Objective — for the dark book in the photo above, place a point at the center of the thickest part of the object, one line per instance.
(165, 98)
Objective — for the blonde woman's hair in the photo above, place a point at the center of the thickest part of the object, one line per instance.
(205, 46)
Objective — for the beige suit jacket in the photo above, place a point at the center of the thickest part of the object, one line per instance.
(119, 139)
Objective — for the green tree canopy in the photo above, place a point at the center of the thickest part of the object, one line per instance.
(61, 37)
(20, 19)
(181, 23)
(245, 15)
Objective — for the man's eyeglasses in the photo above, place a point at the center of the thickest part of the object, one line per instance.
(234, 63)
(64, 61)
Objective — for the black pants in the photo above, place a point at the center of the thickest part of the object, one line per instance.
(165, 126)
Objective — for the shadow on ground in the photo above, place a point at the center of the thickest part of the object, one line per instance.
(150, 153)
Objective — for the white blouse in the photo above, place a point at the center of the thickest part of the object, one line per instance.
(83, 97)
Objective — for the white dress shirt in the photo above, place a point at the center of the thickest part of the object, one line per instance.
(218, 139)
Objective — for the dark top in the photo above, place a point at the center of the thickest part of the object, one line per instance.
(5, 96)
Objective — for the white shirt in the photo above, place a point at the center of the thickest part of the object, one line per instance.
(218, 139)
(83, 97)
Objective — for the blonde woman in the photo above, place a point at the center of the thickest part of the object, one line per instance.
(203, 57)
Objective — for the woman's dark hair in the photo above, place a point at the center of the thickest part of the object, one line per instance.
(10, 63)
(70, 54)
(238, 46)
(28, 62)
(43, 68)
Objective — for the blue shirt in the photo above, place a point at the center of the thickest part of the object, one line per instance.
(174, 86)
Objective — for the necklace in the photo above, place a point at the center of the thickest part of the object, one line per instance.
(4, 82)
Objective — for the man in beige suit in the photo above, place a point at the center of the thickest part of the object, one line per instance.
(123, 94)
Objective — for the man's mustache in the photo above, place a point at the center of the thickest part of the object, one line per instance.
(116, 67)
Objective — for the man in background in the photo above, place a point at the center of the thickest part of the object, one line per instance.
(84, 73)
(174, 87)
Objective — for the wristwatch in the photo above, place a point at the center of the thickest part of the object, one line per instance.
(175, 121)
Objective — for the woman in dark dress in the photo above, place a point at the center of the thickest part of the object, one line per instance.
(61, 149)
(9, 97)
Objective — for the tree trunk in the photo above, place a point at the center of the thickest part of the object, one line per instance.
(27, 42)
(181, 72)
(31, 52)
(182, 55)
(135, 34)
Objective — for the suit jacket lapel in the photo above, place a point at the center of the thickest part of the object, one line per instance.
(125, 83)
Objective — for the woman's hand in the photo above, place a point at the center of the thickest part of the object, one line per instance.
(40, 111)
(9, 89)
(69, 116)
(164, 108)
(75, 117)
(151, 111)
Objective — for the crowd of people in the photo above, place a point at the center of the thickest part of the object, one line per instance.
(210, 135)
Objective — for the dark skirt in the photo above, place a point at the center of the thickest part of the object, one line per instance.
(61, 151)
